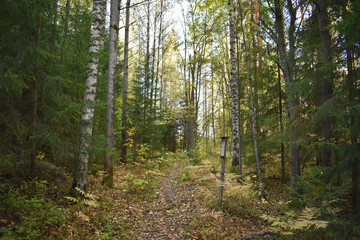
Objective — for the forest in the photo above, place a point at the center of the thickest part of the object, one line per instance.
(113, 113)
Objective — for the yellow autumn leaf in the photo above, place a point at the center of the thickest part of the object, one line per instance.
(71, 199)
(312, 135)
(83, 217)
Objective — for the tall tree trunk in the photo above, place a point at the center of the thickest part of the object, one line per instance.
(186, 89)
(282, 145)
(240, 94)
(66, 30)
(152, 74)
(35, 106)
(258, 37)
(213, 106)
(223, 93)
(205, 116)
(125, 85)
(191, 125)
(234, 89)
(351, 78)
(287, 65)
(96, 41)
(253, 109)
(327, 82)
(147, 65)
(109, 131)
(158, 56)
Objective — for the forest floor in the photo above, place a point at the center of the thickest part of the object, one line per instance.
(178, 200)
(173, 197)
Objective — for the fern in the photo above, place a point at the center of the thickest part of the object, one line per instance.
(288, 224)
(82, 192)
(308, 218)
(83, 217)
(91, 196)
(91, 203)
(71, 199)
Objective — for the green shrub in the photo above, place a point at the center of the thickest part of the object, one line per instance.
(194, 157)
(317, 193)
(30, 217)
(186, 176)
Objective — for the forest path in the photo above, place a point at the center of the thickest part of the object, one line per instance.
(184, 205)
(167, 217)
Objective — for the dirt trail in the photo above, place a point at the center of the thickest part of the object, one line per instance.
(185, 207)
(168, 216)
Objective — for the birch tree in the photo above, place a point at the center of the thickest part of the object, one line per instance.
(234, 89)
(96, 41)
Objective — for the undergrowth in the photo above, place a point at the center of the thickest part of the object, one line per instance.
(26, 214)
(38, 209)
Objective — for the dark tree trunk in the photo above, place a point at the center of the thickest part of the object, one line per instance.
(253, 109)
(287, 65)
(282, 145)
(327, 85)
(109, 131)
(353, 135)
(125, 86)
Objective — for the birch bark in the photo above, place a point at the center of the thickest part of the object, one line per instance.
(234, 89)
(82, 160)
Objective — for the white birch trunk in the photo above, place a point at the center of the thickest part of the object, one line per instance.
(82, 160)
(234, 89)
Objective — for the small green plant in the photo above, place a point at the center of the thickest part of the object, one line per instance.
(234, 169)
(322, 195)
(291, 223)
(29, 217)
(157, 163)
(240, 206)
(142, 152)
(194, 157)
(138, 185)
(186, 176)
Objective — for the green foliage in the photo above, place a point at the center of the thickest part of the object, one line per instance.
(291, 223)
(42, 78)
(240, 206)
(137, 184)
(194, 157)
(342, 229)
(157, 163)
(29, 217)
(326, 198)
(187, 175)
